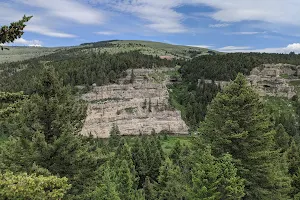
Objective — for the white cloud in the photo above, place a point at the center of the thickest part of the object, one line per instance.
(67, 9)
(22, 41)
(234, 48)
(218, 25)
(159, 15)
(47, 31)
(295, 47)
(38, 24)
(271, 11)
(202, 46)
(106, 33)
(246, 33)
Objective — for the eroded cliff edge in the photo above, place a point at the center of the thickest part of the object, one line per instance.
(137, 105)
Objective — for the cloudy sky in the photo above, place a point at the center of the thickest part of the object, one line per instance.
(225, 25)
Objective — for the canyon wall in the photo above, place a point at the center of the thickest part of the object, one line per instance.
(137, 107)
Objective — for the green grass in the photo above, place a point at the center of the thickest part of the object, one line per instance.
(24, 53)
(284, 76)
(295, 83)
(169, 142)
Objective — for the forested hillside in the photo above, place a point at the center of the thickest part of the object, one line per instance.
(241, 146)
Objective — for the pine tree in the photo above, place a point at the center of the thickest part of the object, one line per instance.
(176, 153)
(149, 106)
(123, 152)
(55, 106)
(236, 122)
(132, 77)
(114, 136)
(293, 156)
(107, 190)
(171, 184)
(231, 186)
(24, 186)
(205, 174)
(282, 139)
(140, 161)
(124, 182)
(14, 31)
(144, 106)
(150, 193)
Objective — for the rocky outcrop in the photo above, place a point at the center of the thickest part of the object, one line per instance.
(127, 105)
(271, 80)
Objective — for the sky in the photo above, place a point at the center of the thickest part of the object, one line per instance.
(223, 25)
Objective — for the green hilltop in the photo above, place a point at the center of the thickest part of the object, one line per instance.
(112, 46)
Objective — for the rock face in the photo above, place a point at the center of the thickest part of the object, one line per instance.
(127, 105)
(273, 79)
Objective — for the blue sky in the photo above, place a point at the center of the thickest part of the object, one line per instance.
(225, 25)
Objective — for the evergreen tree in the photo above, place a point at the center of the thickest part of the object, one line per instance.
(149, 106)
(123, 152)
(107, 190)
(282, 139)
(205, 177)
(140, 161)
(171, 184)
(231, 186)
(293, 156)
(237, 123)
(296, 185)
(124, 182)
(150, 193)
(24, 186)
(55, 106)
(132, 77)
(114, 136)
(144, 106)
(14, 31)
(176, 153)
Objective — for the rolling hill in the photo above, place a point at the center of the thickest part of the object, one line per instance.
(113, 46)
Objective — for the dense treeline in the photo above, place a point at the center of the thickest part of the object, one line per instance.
(193, 94)
(44, 144)
(193, 100)
(225, 67)
(239, 152)
(76, 69)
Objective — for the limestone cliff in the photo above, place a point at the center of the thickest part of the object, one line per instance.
(136, 107)
(271, 80)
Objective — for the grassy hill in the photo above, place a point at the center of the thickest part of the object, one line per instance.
(23, 53)
(113, 46)
(149, 48)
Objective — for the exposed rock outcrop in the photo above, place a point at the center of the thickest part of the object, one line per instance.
(271, 80)
(127, 105)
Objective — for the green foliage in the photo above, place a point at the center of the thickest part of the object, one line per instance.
(14, 31)
(282, 138)
(170, 182)
(114, 136)
(76, 68)
(237, 123)
(107, 189)
(192, 100)
(24, 186)
(150, 193)
(215, 179)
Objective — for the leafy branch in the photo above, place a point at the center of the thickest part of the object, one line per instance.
(14, 31)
